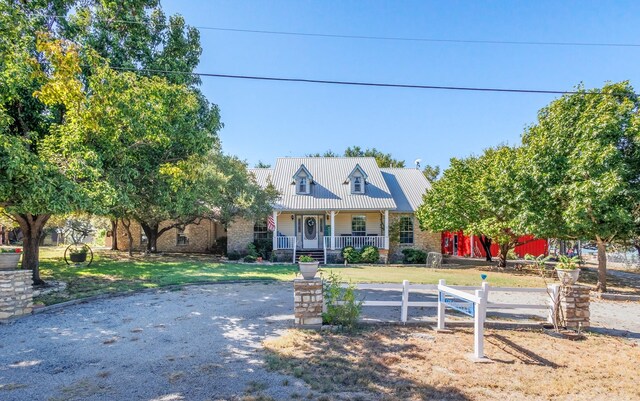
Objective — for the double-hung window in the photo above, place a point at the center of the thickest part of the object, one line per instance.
(358, 226)
(181, 238)
(260, 231)
(406, 230)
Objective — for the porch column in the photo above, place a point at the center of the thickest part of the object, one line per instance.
(333, 230)
(386, 229)
(471, 243)
(275, 230)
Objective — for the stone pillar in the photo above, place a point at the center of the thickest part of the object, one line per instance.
(16, 293)
(574, 301)
(308, 302)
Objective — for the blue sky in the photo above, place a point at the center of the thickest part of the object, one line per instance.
(265, 120)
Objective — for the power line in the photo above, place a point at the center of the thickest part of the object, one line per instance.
(393, 38)
(357, 83)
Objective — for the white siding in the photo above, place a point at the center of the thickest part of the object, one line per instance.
(286, 225)
(343, 222)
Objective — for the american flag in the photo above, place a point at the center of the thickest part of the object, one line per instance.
(271, 225)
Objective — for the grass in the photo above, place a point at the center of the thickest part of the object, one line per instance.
(115, 272)
(416, 363)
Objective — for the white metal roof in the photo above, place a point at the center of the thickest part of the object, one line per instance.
(397, 189)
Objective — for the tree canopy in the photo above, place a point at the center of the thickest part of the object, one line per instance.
(582, 168)
(383, 159)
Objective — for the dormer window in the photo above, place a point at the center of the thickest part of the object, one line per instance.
(302, 185)
(302, 179)
(358, 180)
(357, 185)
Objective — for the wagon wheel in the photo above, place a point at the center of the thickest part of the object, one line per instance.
(78, 254)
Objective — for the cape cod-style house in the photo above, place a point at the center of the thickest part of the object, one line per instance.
(328, 203)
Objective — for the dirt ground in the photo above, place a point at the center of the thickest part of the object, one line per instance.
(402, 363)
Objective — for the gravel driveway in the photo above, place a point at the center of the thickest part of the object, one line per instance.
(198, 343)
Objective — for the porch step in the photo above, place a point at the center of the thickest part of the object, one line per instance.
(317, 254)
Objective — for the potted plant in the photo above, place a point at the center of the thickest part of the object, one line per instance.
(308, 267)
(9, 258)
(567, 269)
(78, 255)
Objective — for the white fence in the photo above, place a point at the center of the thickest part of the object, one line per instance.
(357, 242)
(474, 304)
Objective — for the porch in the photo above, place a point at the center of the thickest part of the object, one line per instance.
(330, 230)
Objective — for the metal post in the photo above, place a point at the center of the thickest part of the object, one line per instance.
(441, 307)
(405, 301)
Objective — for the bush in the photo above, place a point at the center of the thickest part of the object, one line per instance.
(263, 247)
(250, 259)
(343, 308)
(306, 259)
(414, 256)
(351, 254)
(234, 255)
(220, 246)
(370, 254)
(251, 250)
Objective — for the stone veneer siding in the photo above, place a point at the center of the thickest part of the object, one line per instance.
(239, 235)
(16, 293)
(423, 240)
(574, 301)
(201, 237)
(308, 302)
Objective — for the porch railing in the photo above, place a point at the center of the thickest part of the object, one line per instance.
(357, 242)
(286, 242)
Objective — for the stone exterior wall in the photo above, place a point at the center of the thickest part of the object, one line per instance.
(574, 301)
(308, 302)
(423, 240)
(16, 293)
(239, 235)
(201, 237)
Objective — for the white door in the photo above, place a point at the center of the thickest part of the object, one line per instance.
(310, 232)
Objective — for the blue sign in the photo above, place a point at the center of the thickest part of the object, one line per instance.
(456, 303)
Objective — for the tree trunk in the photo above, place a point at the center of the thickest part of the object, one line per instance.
(602, 265)
(151, 231)
(114, 234)
(502, 256)
(636, 245)
(31, 226)
(127, 226)
(486, 245)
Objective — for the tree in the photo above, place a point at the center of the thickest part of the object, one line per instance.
(47, 168)
(383, 159)
(582, 164)
(328, 153)
(260, 164)
(431, 172)
(476, 195)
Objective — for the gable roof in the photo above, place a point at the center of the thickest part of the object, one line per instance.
(304, 170)
(357, 168)
(407, 185)
(396, 189)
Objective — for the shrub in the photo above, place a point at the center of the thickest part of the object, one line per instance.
(251, 250)
(351, 254)
(343, 307)
(370, 254)
(414, 256)
(264, 247)
(306, 259)
(220, 246)
(234, 255)
(250, 259)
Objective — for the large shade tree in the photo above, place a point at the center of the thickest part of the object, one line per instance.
(582, 168)
(476, 195)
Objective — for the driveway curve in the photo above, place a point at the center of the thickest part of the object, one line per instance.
(197, 343)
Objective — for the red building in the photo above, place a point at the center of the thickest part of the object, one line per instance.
(456, 243)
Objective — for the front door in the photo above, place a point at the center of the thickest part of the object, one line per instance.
(455, 245)
(310, 232)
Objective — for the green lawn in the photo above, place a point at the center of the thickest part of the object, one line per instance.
(113, 272)
(421, 275)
